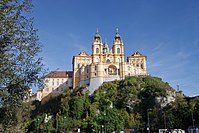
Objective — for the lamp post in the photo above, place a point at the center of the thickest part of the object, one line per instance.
(148, 122)
(102, 129)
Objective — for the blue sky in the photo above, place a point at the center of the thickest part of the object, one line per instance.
(166, 31)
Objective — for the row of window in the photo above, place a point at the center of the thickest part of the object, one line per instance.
(137, 60)
(83, 61)
(97, 50)
(107, 61)
(139, 65)
(129, 68)
(58, 82)
(136, 65)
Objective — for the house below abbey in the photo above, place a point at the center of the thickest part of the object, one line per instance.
(104, 64)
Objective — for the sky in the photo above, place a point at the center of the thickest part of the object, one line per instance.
(166, 31)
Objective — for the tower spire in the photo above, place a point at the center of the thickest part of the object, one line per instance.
(97, 34)
(117, 35)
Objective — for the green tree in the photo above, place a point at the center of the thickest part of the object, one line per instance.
(20, 65)
(77, 107)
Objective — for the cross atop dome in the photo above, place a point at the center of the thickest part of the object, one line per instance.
(117, 35)
(97, 34)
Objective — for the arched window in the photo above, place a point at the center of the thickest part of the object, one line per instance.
(118, 50)
(142, 66)
(97, 50)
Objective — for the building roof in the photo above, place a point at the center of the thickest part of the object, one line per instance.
(60, 74)
(137, 53)
(82, 53)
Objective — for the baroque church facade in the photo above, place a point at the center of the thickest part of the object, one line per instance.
(103, 65)
(106, 64)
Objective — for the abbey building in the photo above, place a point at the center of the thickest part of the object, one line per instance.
(106, 63)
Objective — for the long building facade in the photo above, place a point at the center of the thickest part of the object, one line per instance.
(103, 65)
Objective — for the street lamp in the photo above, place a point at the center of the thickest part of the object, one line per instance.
(102, 129)
(148, 123)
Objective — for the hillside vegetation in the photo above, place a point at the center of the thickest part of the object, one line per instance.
(114, 106)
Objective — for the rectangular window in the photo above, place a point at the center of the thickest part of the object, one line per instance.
(57, 81)
(53, 83)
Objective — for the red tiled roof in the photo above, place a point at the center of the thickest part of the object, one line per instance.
(60, 74)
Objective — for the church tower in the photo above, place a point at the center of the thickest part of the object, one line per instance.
(97, 48)
(118, 48)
